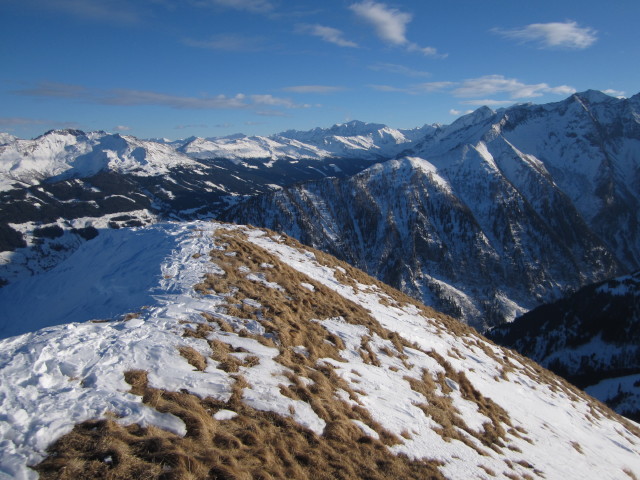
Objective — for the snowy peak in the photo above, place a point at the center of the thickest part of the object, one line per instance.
(360, 139)
(239, 148)
(61, 154)
(594, 97)
(237, 344)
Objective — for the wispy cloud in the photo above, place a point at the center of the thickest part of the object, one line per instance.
(457, 113)
(229, 42)
(109, 11)
(390, 25)
(313, 89)
(253, 6)
(271, 101)
(498, 84)
(566, 35)
(328, 34)
(415, 89)
(130, 97)
(482, 87)
(399, 69)
(488, 102)
(197, 125)
(614, 93)
(55, 89)
(433, 86)
(122, 128)
(19, 121)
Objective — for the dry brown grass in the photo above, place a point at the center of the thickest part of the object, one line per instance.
(488, 471)
(264, 445)
(195, 358)
(253, 445)
(630, 474)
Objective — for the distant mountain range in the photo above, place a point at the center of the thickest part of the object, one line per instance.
(484, 218)
(489, 216)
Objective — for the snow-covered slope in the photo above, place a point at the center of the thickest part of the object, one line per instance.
(592, 338)
(489, 216)
(61, 154)
(245, 353)
(245, 148)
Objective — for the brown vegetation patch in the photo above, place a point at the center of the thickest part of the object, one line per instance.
(630, 474)
(194, 357)
(252, 445)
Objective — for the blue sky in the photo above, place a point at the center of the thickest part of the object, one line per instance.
(161, 68)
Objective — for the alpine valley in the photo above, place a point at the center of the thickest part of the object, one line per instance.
(146, 332)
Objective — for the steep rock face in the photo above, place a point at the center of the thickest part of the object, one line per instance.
(592, 338)
(227, 351)
(590, 145)
(483, 255)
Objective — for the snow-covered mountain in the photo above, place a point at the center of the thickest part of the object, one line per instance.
(489, 216)
(358, 139)
(65, 181)
(221, 351)
(63, 154)
(484, 218)
(591, 338)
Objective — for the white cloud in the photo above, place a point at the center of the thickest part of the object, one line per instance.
(457, 113)
(614, 93)
(143, 97)
(328, 34)
(433, 86)
(272, 101)
(399, 69)
(390, 25)
(130, 97)
(426, 51)
(313, 89)
(493, 84)
(553, 35)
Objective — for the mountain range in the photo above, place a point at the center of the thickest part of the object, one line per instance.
(140, 335)
(489, 216)
(485, 218)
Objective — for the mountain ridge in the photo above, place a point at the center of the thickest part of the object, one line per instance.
(257, 355)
